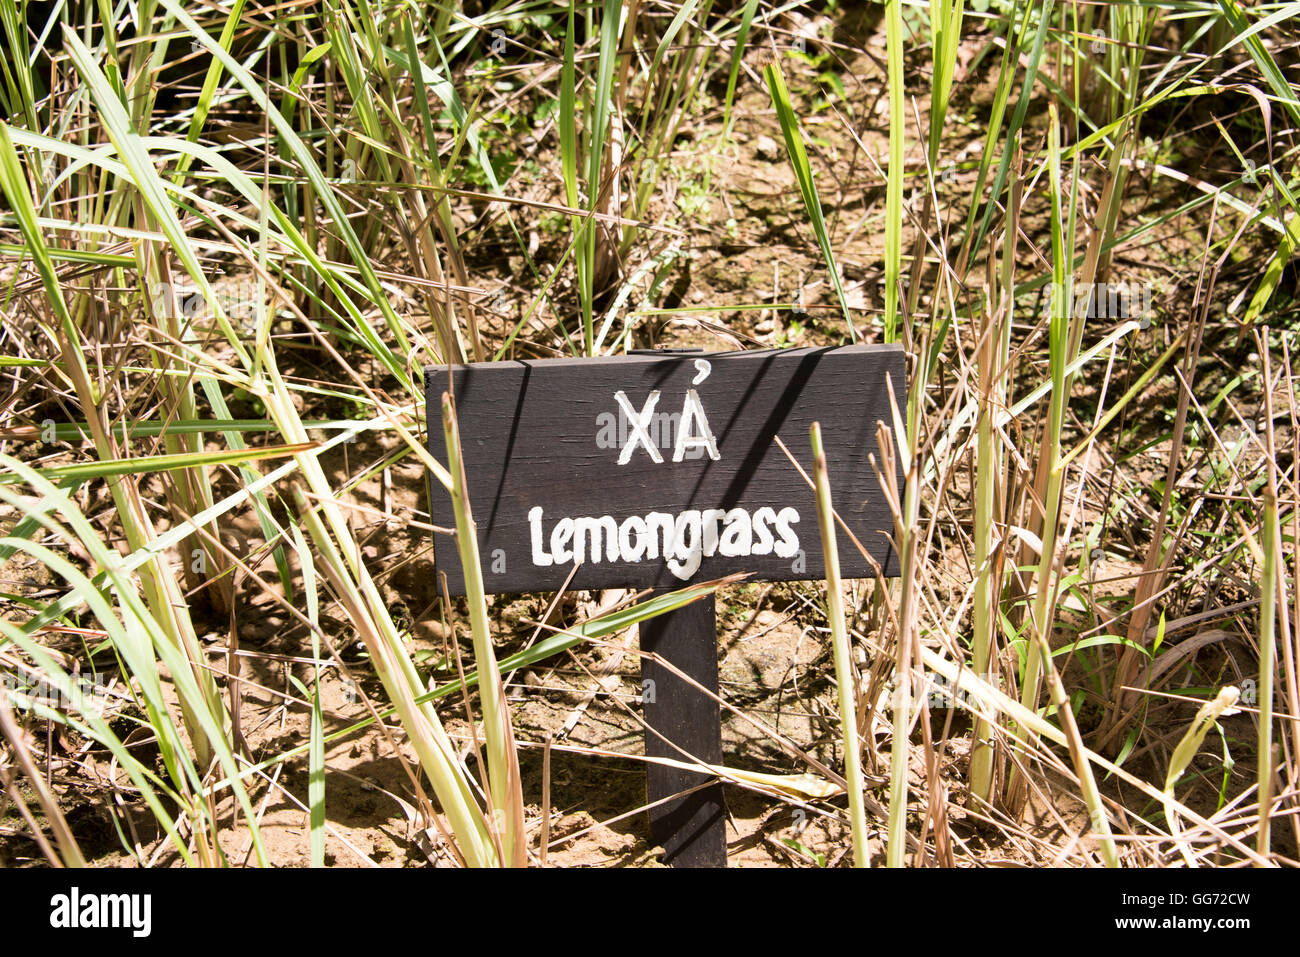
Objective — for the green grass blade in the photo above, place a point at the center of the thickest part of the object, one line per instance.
(894, 174)
(845, 678)
(803, 173)
(737, 57)
(159, 463)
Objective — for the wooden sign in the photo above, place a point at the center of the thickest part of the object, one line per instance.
(655, 471)
(658, 471)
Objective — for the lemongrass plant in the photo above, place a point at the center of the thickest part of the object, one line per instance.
(342, 202)
(320, 531)
(845, 674)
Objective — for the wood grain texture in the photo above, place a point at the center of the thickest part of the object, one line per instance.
(692, 830)
(550, 433)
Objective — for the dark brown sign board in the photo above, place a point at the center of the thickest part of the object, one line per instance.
(656, 471)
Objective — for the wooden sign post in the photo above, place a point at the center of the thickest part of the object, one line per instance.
(656, 471)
